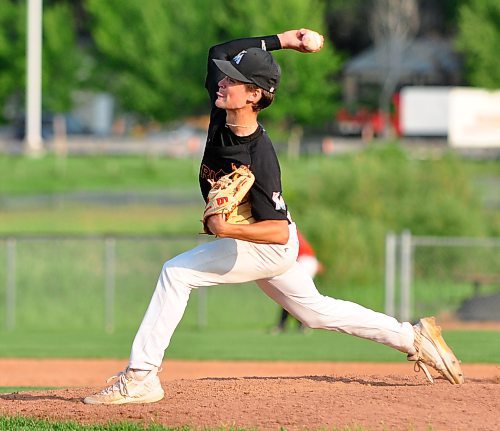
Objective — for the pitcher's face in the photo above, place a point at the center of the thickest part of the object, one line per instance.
(233, 94)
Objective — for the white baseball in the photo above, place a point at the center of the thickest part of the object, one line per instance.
(312, 41)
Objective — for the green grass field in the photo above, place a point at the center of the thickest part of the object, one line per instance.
(238, 344)
(79, 268)
(65, 319)
(39, 425)
(7, 423)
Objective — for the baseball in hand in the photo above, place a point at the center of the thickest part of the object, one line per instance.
(312, 41)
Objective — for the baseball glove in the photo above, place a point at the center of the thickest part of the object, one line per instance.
(229, 196)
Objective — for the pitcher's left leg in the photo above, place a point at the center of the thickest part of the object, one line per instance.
(295, 291)
(423, 342)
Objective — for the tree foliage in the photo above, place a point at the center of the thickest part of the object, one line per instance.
(151, 54)
(394, 25)
(62, 58)
(156, 53)
(479, 38)
(358, 198)
(12, 54)
(308, 87)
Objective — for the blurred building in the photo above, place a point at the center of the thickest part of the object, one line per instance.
(425, 61)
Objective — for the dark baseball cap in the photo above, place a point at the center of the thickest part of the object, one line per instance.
(252, 66)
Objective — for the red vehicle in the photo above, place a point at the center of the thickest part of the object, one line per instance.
(366, 122)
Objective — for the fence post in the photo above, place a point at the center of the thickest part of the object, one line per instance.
(406, 257)
(390, 273)
(109, 296)
(10, 299)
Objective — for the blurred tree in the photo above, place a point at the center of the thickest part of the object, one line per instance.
(62, 59)
(394, 24)
(346, 21)
(12, 57)
(308, 88)
(479, 38)
(438, 18)
(153, 53)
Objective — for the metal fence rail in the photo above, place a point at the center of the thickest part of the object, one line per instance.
(106, 281)
(426, 269)
(103, 265)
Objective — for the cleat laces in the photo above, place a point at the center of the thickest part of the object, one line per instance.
(420, 366)
(120, 385)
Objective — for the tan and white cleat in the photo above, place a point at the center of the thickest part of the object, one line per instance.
(431, 350)
(129, 388)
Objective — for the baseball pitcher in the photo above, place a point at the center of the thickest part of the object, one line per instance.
(261, 243)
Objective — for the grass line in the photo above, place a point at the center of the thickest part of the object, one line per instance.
(259, 345)
(12, 389)
(21, 423)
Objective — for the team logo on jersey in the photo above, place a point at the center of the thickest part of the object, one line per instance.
(209, 174)
(237, 58)
(279, 201)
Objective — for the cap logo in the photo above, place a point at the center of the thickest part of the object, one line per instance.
(238, 57)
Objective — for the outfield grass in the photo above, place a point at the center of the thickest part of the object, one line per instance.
(32, 424)
(20, 423)
(320, 345)
(62, 293)
(10, 389)
(65, 287)
(25, 176)
(84, 220)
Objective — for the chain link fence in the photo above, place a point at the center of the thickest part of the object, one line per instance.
(455, 277)
(98, 282)
(82, 282)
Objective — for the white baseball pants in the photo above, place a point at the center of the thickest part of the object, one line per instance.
(277, 273)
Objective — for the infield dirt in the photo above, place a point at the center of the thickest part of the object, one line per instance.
(263, 395)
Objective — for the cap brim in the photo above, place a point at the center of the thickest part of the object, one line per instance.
(228, 69)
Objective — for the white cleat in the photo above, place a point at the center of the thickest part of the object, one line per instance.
(432, 350)
(128, 389)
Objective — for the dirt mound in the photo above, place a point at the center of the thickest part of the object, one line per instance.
(267, 396)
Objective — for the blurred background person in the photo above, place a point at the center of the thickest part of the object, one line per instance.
(307, 258)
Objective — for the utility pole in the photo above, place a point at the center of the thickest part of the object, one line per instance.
(33, 123)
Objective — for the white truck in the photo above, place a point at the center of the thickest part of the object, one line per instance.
(468, 117)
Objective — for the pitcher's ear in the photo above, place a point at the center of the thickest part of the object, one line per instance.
(255, 95)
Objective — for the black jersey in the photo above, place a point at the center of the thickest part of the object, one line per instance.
(224, 149)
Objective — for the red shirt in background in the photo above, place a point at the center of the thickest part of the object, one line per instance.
(305, 249)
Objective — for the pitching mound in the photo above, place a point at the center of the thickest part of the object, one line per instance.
(261, 395)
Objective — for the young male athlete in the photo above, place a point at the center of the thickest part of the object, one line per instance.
(242, 80)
